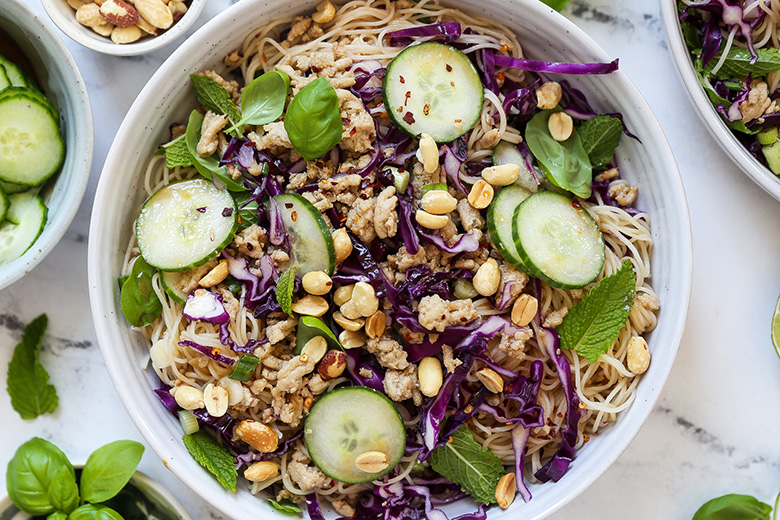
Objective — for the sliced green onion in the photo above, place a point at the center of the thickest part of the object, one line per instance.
(244, 368)
(233, 285)
(434, 186)
(767, 136)
(464, 289)
(401, 178)
(772, 155)
(188, 421)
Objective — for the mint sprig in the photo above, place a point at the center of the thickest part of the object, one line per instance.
(592, 325)
(285, 506)
(284, 290)
(216, 459)
(738, 63)
(600, 137)
(177, 154)
(27, 381)
(214, 97)
(464, 462)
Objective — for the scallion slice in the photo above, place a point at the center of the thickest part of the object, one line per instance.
(244, 368)
(188, 421)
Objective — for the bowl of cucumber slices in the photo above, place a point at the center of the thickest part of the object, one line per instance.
(46, 139)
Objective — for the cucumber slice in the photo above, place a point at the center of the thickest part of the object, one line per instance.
(499, 220)
(348, 422)
(170, 282)
(15, 75)
(24, 223)
(558, 241)
(31, 147)
(310, 239)
(4, 203)
(507, 153)
(5, 81)
(184, 224)
(10, 189)
(309, 327)
(36, 94)
(433, 89)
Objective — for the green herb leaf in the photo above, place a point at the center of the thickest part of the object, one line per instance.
(464, 462)
(57, 516)
(593, 325)
(558, 5)
(600, 137)
(733, 507)
(313, 122)
(244, 368)
(285, 506)
(208, 167)
(177, 153)
(139, 302)
(566, 163)
(213, 96)
(284, 290)
(247, 211)
(63, 492)
(262, 101)
(311, 326)
(738, 63)
(716, 100)
(27, 381)
(31, 472)
(209, 454)
(109, 469)
(94, 512)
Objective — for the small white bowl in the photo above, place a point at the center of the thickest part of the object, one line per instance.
(168, 97)
(58, 75)
(752, 167)
(65, 18)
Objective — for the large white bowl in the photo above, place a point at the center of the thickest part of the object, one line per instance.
(759, 173)
(59, 77)
(168, 97)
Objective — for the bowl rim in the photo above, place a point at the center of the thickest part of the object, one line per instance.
(717, 128)
(102, 296)
(56, 227)
(84, 36)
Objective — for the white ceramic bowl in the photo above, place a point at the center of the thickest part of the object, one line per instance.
(168, 97)
(759, 173)
(65, 18)
(59, 77)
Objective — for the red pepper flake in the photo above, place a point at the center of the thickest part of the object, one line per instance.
(576, 204)
(500, 76)
(452, 83)
(402, 79)
(426, 108)
(448, 67)
(459, 121)
(216, 351)
(407, 96)
(468, 408)
(383, 115)
(294, 216)
(409, 118)
(353, 131)
(288, 205)
(343, 218)
(449, 441)
(400, 109)
(308, 402)
(560, 414)
(504, 47)
(586, 437)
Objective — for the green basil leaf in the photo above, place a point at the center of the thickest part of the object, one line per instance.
(63, 492)
(93, 512)
(566, 163)
(139, 302)
(284, 290)
(558, 5)
(285, 506)
(313, 123)
(57, 516)
(208, 167)
(31, 472)
(27, 381)
(109, 469)
(262, 101)
(733, 507)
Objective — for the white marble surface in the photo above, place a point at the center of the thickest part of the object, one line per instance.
(714, 429)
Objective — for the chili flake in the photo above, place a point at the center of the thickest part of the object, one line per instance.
(409, 118)
(448, 67)
(294, 216)
(426, 108)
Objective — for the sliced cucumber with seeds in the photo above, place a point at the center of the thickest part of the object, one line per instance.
(558, 241)
(24, 223)
(500, 219)
(170, 282)
(348, 422)
(310, 240)
(433, 89)
(184, 224)
(507, 153)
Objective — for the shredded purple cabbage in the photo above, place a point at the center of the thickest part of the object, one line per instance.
(250, 456)
(732, 17)
(446, 32)
(556, 68)
(455, 154)
(164, 394)
(466, 243)
(356, 362)
(206, 351)
(406, 226)
(203, 305)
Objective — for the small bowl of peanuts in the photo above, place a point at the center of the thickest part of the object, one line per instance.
(123, 27)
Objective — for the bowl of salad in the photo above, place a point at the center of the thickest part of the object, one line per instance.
(729, 64)
(389, 259)
(46, 140)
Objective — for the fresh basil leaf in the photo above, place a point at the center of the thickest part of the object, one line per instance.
(285, 506)
(30, 473)
(177, 153)
(63, 492)
(94, 512)
(208, 167)
(463, 461)
(216, 459)
(738, 63)
(213, 96)
(284, 290)
(313, 123)
(591, 326)
(600, 137)
(139, 302)
(109, 469)
(57, 516)
(716, 100)
(558, 5)
(733, 507)
(262, 101)
(27, 381)
(566, 163)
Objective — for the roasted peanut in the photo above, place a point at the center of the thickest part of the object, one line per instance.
(342, 244)
(428, 153)
(438, 202)
(430, 375)
(431, 221)
(560, 125)
(332, 365)
(188, 397)
(315, 349)
(487, 278)
(317, 283)
(89, 15)
(155, 12)
(376, 324)
(261, 471)
(549, 95)
(505, 490)
(481, 195)
(372, 461)
(364, 299)
(524, 309)
(219, 273)
(638, 355)
(311, 306)
(215, 398)
(326, 11)
(346, 323)
(491, 379)
(352, 339)
(502, 174)
(343, 294)
(258, 435)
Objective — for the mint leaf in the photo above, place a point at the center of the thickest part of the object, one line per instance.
(600, 137)
(593, 325)
(464, 462)
(177, 153)
(715, 99)
(209, 454)
(738, 63)
(213, 96)
(556, 4)
(284, 290)
(285, 506)
(27, 381)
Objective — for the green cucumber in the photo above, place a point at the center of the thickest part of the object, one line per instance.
(433, 89)
(185, 224)
(31, 146)
(558, 241)
(4, 203)
(10, 189)
(348, 422)
(16, 75)
(309, 327)
(170, 282)
(311, 243)
(5, 81)
(24, 223)
(507, 153)
(499, 220)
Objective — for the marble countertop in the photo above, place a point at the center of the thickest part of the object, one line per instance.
(710, 433)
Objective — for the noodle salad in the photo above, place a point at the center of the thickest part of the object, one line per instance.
(389, 263)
